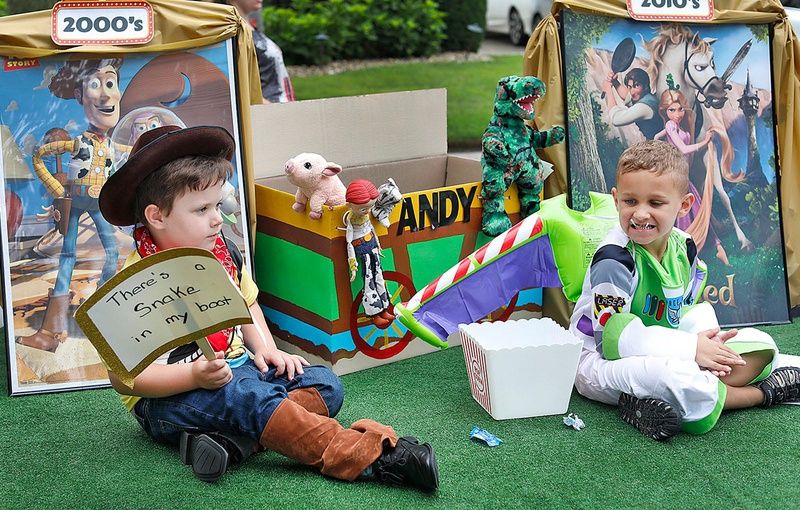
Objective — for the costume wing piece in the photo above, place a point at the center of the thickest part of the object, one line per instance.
(552, 248)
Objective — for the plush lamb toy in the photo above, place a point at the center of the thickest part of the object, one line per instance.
(316, 181)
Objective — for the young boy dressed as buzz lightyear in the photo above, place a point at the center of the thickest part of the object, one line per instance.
(648, 346)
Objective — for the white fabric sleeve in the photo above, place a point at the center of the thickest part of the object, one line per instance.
(625, 335)
(622, 116)
(348, 236)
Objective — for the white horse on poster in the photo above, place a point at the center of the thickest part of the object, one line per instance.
(689, 58)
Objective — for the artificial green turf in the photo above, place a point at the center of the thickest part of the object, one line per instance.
(81, 450)
(470, 89)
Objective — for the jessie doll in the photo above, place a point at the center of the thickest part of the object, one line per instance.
(363, 247)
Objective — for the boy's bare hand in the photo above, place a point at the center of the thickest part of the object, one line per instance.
(724, 336)
(211, 375)
(713, 354)
(291, 364)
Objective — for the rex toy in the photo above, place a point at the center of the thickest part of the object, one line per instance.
(508, 151)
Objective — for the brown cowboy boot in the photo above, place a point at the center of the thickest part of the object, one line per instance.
(211, 454)
(310, 400)
(366, 448)
(323, 443)
(53, 330)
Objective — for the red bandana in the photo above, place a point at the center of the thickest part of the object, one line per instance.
(146, 246)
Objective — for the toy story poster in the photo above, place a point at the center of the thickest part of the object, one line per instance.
(707, 89)
(66, 124)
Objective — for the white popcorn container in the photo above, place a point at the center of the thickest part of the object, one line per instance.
(520, 368)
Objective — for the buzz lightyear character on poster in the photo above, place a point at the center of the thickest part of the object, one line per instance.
(134, 123)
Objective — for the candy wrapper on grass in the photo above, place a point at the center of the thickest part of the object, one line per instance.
(572, 420)
(484, 436)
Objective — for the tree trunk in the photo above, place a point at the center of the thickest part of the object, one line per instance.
(587, 164)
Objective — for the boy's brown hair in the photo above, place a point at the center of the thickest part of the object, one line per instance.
(178, 177)
(657, 157)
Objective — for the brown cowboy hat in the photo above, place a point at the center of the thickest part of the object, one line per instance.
(154, 149)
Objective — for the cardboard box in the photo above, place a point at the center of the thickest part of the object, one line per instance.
(300, 264)
(520, 368)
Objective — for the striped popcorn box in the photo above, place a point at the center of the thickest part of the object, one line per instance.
(520, 368)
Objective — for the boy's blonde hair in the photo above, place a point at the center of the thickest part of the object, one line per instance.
(657, 157)
(191, 173)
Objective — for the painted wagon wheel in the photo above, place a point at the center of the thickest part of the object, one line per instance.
(503, 313)
(385, 342)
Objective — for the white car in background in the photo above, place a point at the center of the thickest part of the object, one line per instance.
(515, 18)
(794, 18)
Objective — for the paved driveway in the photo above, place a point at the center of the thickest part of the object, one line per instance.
(498, 44)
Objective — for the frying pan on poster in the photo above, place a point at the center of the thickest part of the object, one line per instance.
(622, 59)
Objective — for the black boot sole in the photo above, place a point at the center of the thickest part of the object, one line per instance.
(654, 418)
(782, 385)
(208, 458)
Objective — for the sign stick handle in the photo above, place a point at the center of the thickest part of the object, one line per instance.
(205, 346)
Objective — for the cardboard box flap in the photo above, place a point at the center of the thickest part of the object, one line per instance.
(411, 175)
(389, 127)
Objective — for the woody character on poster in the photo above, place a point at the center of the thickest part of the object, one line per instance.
(707, 89)
(67, 123)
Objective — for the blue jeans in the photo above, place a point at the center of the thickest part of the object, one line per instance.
(242, 407)
(105, 231)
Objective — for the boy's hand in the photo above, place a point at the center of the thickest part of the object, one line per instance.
(211, 375)
(713, 354)
(291, 364)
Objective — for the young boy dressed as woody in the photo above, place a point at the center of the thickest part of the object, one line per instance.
(172, 185)
(648, 346)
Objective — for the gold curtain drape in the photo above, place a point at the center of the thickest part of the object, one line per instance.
(543, 59)
(178, 25)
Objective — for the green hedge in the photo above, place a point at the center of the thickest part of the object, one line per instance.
(21, 6)
(316, 32)
(462, 18)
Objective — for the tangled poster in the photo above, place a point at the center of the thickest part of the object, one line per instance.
(706, 89)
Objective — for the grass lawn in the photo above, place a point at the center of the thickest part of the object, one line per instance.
(470, 89)
(82, 450)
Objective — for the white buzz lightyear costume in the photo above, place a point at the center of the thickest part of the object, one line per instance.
(639, 320)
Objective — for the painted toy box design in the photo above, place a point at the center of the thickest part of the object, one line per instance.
(301, 264)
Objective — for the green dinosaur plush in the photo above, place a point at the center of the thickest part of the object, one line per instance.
(508, 151)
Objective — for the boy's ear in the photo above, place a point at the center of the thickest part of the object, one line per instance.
(686, 205)
(154, 216)
(614, 195)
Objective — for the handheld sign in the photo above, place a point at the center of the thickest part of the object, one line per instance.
(165, 300)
